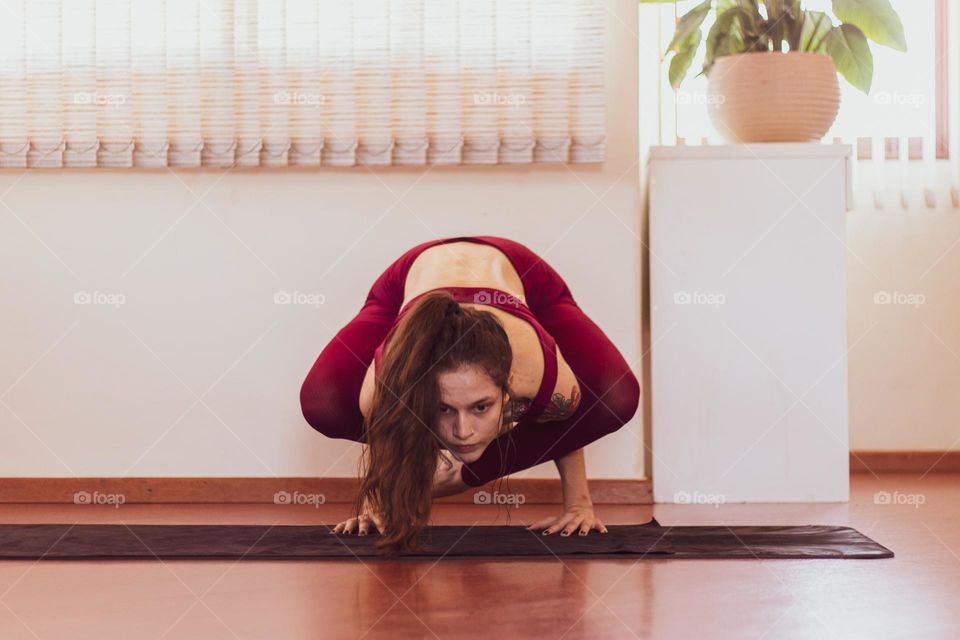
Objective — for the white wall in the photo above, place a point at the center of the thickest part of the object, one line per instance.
(93, 390)
(904, 362)
(97, 391)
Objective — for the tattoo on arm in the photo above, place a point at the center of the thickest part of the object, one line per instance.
(515, 409)
(560, 406)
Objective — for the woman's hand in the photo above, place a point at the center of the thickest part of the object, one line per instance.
(575, 516)
(446, 479)
(362, 522)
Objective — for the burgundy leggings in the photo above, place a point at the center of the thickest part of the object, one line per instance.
(610, 392)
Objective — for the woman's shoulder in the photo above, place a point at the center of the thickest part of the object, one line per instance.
(528, 370)
(566, 394)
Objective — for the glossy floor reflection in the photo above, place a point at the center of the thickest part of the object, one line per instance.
(911, 596)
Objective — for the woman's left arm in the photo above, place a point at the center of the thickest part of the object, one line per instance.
(577, 504)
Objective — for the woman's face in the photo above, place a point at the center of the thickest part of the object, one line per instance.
(470, 409)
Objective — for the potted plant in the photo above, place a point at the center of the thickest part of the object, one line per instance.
(772, 65)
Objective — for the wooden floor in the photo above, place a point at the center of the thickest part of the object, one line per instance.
(914, 595)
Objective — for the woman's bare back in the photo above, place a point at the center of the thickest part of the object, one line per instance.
(472, 264)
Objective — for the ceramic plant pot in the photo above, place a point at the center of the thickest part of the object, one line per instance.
(773, 97)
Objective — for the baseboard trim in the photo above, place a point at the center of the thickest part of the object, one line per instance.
(343, 490)
(902, 461)
(299, 490)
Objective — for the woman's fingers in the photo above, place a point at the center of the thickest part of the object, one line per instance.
(587, 525)
(572, 525)
(544, 522)
(554, 524)
(569, 523)
(361, 523)
(346, 526)
(559, 524)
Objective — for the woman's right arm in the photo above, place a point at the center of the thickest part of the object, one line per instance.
(446, 479)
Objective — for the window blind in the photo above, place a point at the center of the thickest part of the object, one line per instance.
(152, 83)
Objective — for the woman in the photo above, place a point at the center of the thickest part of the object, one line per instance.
(470, 360)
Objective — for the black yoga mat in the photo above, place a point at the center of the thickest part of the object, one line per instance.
(315, 542)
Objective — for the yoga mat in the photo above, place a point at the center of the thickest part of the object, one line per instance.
(314, 542)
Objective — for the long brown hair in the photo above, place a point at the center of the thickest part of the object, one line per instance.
(402, 447)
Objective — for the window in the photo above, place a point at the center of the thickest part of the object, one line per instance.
(903, 133)
(300, 82)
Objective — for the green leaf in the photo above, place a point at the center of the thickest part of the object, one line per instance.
(794, 24)
(774, 25)
(752, 9)
(687, 24)
(848, 47)
(725, 36)
(682, 60)
(753, 26)
(816, 26)
(875, 18)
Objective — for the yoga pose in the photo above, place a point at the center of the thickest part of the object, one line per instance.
(469, 360)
